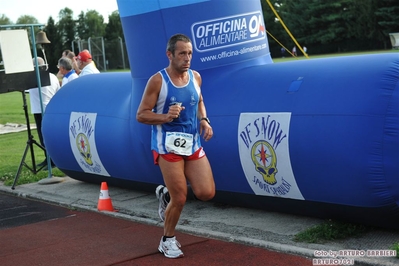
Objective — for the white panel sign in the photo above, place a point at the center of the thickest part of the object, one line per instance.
(264, 154)
(15, 50)
(83, 142)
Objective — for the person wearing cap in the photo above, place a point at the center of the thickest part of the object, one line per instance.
(86, 64)
(65, 68)
(47, 92)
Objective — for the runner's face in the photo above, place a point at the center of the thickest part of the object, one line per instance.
(182, 58)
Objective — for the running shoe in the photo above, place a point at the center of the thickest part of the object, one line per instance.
(163, 196)
(170, 248)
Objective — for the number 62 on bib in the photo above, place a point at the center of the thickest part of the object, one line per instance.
(179, 143)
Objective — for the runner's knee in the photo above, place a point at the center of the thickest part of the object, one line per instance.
(205, 195)
(178, 200)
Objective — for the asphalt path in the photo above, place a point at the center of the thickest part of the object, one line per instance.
(16, 211)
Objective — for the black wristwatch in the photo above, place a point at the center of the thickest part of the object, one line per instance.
(206, 119)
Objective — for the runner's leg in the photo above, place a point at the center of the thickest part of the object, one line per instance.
(199, 175)
(175, 181)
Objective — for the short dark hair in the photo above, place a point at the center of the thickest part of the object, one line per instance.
(171, 46)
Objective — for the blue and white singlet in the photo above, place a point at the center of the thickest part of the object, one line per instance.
(180, 136)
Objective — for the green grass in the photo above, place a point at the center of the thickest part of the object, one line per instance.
(12, 145)
(11, 108)
(331, 230)
(396, 247)
(117, 70)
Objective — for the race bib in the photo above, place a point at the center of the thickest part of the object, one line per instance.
(179, 143)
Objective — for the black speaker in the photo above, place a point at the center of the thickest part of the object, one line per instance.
(22, 81)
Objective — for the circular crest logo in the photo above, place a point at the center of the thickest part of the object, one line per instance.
(265, 160)
(83, 145)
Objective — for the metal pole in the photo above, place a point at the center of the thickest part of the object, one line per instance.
(103, 50)
(122, 51)
(89, 44)
(39, 86)
(79, 41)
(72, 46)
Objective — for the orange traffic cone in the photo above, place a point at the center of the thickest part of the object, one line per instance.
(104, 201)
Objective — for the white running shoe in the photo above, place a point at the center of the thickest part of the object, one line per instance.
(163, 196)
(170, 248)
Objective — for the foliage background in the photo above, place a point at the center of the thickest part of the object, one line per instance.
(333, 26)
(69, 28)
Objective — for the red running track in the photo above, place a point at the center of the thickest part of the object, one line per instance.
(88, 238)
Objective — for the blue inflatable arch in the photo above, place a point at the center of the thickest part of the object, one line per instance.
(314, 137)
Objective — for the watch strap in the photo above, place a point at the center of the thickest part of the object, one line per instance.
(206, 119)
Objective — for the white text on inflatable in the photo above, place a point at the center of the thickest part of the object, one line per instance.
(228, 31)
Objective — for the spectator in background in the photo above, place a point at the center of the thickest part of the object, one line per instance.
(85, 63)
(65, 53)
(47, 92)
(71, 55)
(65, 68)
(294, 51)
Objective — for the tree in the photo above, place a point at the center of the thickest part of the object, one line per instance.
(5, 20)
(95, 22)
(114, 36)
(113, 29)
(315, 21)
(361, 23)
(81, 29)
(90, 24)
(333, 26)
(66, 28)
(27, 19)
(53, 50)
(363, 20)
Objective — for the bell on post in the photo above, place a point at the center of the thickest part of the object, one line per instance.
(41, 38)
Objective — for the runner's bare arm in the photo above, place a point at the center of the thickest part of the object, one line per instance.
(145, 112)
(205, 128)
